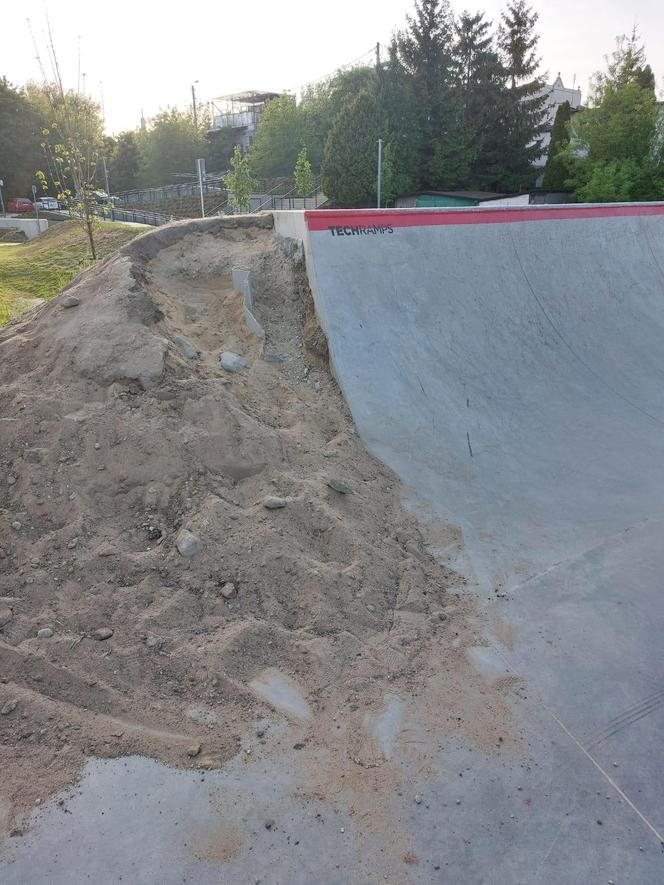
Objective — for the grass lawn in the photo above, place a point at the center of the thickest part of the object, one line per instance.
(40, 268)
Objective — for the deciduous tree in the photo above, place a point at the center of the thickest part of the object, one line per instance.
(304, 178)
(349, 170)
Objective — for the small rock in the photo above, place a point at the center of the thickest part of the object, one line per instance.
(153, 641)
(102, 633)
(269, 824)
(154, 533)
(418, 799)
(17, 526)
(274, 503)
(188, 544)
(274, 357)
(186, 347)
(6, 614)
(97, 446)
(228, 591)
(44, 633)
(232, 362)
(70, 301)
(193, 750)
(339, 486)
(317, 387)
(9, 707)
(11, 479)
(35, 456)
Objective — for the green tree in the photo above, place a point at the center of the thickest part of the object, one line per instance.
(239, 181)
(278, 138)
(220, 147)
(348, 176)
(396, 96)
(556, 171)
(171, 144)
(72, 148)
(522, 120)
(124, 162)
(305, 180)
(480, 83)
(617, 143)
(425, 50)
(20, 141)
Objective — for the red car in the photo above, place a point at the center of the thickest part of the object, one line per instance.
(20, 204)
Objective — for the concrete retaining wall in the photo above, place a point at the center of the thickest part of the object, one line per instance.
(31, 227)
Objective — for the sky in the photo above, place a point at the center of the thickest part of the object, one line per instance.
(141, 55)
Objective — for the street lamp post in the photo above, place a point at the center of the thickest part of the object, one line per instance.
(193, 100)
(380, 170)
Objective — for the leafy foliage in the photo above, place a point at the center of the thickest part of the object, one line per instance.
(616, 150)
(278, 139)
(521, 121)
(556, 170)
(124, 161)
(171, 143)
(349, 170)
(20, 140)
(72, 144)
(239, 181)
(305, 180)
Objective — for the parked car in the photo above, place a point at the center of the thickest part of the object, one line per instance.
(20, 204)
(47, 203)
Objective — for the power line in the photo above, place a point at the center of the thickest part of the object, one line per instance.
(339, 68)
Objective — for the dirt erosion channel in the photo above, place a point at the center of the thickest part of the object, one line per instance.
(189, 554)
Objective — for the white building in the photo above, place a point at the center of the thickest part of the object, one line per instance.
(556, 95)
(240, 112)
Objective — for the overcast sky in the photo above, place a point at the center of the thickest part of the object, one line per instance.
(146, 55)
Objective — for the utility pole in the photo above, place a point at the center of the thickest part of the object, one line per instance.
(193, 101)
(200, 168)
(2, 202)
(380, 170)
(34, 197)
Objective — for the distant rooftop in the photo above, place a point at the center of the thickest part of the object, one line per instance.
(462, 195)
(249, 97)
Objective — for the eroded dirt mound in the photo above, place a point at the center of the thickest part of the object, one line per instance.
(114, 441)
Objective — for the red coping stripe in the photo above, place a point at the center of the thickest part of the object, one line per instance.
(327, 219)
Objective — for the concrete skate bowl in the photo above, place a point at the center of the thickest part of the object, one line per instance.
(509, 366)
(351, 710)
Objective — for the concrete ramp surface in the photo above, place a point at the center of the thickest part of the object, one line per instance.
(361, 715)
(509, 366)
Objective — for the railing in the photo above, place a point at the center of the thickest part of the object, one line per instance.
(136, 216)
(212, 185)
(236, 119)
(288, 201)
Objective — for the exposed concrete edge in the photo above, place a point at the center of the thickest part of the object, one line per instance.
(31, 227)
(242, 285)
(148, 245)
(290, 224)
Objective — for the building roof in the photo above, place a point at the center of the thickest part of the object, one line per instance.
(250, 97)
(462, 195)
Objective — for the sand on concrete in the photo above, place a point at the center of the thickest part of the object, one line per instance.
(113, 441)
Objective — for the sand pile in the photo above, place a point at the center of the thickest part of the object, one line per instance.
(135, 539)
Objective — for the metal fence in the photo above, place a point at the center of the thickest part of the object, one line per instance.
(136, 216)
(170, 192)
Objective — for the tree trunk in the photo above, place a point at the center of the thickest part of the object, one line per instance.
(88, 224)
